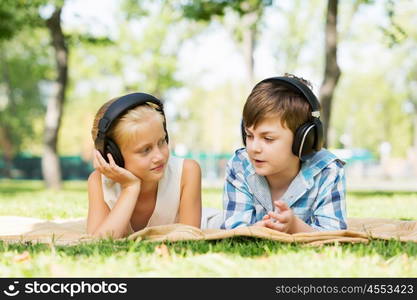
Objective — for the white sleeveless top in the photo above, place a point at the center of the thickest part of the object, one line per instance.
(167, 197)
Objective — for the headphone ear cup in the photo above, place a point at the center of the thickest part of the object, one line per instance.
(242, 129)
(113, 149)
(304, 140)
(319, 134)
(166, 131)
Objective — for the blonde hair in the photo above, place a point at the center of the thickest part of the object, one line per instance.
(125, 126)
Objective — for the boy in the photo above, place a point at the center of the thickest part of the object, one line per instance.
(283, 165)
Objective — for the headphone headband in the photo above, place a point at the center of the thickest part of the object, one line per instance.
(105, 144)
(308, 137)
(299, 87)
(122, 105)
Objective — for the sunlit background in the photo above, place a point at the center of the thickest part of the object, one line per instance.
(203, 64)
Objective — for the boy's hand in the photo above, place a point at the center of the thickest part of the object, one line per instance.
(113, 171)
(262, 223)
(282, 221)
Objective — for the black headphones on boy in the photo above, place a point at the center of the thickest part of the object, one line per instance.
(103, 143)
(308, 137)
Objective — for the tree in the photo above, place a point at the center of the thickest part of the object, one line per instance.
(331, 71)
(220, 126)
(25, 15)
(246, 32)
(51, 169)
(17, 15)
(20, 98)
(374, 97)
(393, 32)
(296, 32)
(142, 56)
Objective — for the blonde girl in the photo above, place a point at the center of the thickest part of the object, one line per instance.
(136, 183)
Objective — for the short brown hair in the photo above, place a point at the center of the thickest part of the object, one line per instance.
(272, 98)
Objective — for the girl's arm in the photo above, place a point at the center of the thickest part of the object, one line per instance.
(190, 199)
(101, 220)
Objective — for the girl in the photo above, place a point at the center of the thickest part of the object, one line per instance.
(136, 183)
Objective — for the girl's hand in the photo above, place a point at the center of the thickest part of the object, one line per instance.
(114, 172)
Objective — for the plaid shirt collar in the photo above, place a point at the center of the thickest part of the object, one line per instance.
(304, 180)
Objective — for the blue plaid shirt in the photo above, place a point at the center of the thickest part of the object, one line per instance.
(316, 195)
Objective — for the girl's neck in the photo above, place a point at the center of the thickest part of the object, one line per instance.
(148, 187)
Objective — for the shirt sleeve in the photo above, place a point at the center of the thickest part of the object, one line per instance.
(238, 205)
(329, 213)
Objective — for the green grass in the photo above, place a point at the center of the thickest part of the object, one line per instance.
(30, 199)
(236, 257)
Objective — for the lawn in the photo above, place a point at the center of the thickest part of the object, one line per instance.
(237, 257)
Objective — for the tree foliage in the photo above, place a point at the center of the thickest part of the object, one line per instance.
(15, 15)
(205, 9)
(24, 65)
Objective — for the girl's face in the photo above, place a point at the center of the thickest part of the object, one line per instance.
(269, 147)
(147, 153)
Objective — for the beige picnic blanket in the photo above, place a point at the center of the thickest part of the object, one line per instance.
(24, 229)
(73, 231)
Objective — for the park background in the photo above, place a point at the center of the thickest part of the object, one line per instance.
(61, 60)
(202, 59)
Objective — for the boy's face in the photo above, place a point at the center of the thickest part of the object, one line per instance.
(146, 155)
(269, 146)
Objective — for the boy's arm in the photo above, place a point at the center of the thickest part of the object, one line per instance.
(329, 212)
(238, 209)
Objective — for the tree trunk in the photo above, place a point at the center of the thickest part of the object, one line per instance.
(8, 153)
(51, 169)
(6, 143)
(249, 21)
(415, 129)
(332, 70)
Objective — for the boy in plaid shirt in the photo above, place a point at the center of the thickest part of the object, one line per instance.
(283, 179)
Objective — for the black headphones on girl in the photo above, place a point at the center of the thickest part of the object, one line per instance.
(308, 137)
(103, 143)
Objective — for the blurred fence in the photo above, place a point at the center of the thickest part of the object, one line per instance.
(362, 168)
(75, 168)
(212, 165)
(29, 167)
